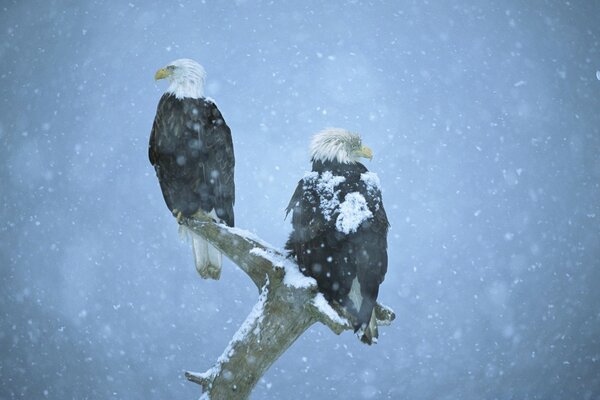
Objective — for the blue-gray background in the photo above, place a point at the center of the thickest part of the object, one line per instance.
(485, 123)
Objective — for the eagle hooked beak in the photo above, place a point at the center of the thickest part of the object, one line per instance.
(365, 152)
(162, 73)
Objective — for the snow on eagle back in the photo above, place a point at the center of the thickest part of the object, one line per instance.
(372, 181)
(354, 210)
(325, 185)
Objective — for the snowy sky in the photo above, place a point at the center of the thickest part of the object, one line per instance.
(484, 120)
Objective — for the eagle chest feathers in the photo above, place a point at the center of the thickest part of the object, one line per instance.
(192, 151)
(187, 127)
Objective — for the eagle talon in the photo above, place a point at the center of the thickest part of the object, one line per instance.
(178, 216)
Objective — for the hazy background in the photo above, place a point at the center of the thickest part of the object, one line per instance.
(485, 123)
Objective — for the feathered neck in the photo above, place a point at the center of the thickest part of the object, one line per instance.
(334, 144)
(338, 168)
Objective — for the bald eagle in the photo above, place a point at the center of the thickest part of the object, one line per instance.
(340, 227)
(192, 152)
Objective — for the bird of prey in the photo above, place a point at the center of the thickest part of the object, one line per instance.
(340, 227)
(192, 152)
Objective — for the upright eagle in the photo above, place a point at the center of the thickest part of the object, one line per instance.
(192, 152)
(340, 227)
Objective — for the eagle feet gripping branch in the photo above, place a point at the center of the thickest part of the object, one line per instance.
(178, 216)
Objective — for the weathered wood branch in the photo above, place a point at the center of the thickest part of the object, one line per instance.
(288, 304)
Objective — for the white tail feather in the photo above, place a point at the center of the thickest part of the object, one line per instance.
(215, 258)
(208, 259)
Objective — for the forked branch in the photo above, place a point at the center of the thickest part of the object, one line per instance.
(288, 304)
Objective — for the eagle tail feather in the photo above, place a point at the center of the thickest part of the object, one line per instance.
(207, 258)
(215, 261)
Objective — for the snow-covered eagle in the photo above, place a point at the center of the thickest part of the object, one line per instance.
(192, 152)
(340, 227)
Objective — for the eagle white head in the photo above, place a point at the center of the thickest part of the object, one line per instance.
(340, 145)
(186, 78)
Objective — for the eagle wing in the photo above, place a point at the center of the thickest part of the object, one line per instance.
(221, 159)
(152, 153)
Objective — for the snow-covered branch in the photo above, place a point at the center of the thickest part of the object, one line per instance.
(288, 304)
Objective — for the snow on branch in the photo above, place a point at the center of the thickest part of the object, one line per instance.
(288, 304)
(252, 322)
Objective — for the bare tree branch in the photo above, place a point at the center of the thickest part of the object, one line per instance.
(288, 304)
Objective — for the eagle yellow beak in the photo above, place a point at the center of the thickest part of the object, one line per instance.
(162, 74)
(365, 152)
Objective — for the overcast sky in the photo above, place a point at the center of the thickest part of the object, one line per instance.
(484, 120)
